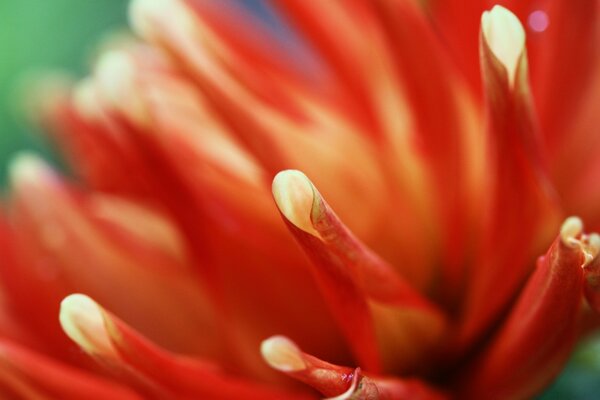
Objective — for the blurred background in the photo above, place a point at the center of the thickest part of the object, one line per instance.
(42, 35)
(60, 35)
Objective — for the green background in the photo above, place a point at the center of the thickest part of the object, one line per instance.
(38, 35)
(45, 35)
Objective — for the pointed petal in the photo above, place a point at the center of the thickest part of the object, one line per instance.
(361, 289)
(540, 331)
(301, 204)
(458, 25)
(125, 352)
(521, 203)
(340, 382)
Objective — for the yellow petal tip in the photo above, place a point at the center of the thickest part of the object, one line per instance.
(505, 36)
(570, 230)
(27, 168)
(282, 354)
(294, 194)
(82, 319)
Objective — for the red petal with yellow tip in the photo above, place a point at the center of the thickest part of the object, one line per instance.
(541, 329)
(340, 383)
(294, 195)
(359, 286)
(158, 373)
(521, 203)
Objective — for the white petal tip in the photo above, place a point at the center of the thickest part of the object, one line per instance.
(115, 73)
(82, 319)
(145, 15)
(282, 354)
(570, 230)
(593, 246)
(27, 168)
(294, 194)
(504, 34)
(117, 76)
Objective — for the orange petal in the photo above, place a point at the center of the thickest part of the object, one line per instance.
(154, 371)
(340, 383)
(540, 331)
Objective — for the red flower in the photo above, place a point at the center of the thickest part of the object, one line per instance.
(422, 284)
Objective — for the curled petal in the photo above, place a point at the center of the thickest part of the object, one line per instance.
(301, 204)
(362, 290)
(126, 353)
(541, 330)
(340, 383)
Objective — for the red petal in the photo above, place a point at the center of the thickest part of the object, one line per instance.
(521, 204)
(568, 63)
(357, 284)
(542, 328)
(25, 374)
(342, 382)
(592, 277)
(438, 102)
(126, 353)
(70, 236)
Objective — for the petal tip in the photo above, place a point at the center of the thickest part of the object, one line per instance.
(82, 319)
(144, 15)
(27, 168)
(571, 235)
(294, 194)
(570, 230)
(282, 354)
(85, 99)
(505, 36)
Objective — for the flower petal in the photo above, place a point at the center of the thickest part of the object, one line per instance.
(362, 290)
(125, 352)
(521, 203)
(26, 374)
(438, 102)
(340, 382)
(77, 249)
(568, 64)
(541, 330)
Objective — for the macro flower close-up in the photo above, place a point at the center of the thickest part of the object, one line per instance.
(337, 199)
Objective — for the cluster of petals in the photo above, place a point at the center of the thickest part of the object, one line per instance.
(361, 199)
